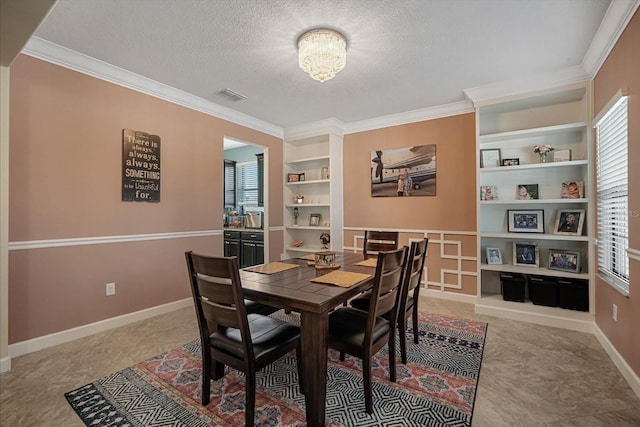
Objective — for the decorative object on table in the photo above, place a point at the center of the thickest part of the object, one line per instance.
(296, 214)
(325, 239)
(564, 260)
(298, 198)
(490, 158)
(572, 190)
(314, 219)
(527, 192)
(326, 260)
(569, 222)
(494, 256)
(293, 177)
(296, 243)
(488, 192)
(562, 155)
(324, 173)
(510, 162)
(525, 254)
(544, 152)
(408, 171)
(525, 221)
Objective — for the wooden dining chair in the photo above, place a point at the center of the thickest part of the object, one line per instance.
(409, 294)
(376, 241)
(363, 333)
(230, 336)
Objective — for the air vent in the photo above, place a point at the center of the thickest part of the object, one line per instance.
(230, 95)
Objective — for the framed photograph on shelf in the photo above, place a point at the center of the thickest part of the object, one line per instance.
(494, 256)
(510, 162)
(525, 254)
(525, 221)
(564, 260)
(562, 155)
(527, 192)
(569, 222)
(293, 177)
(314, 219)
(488, 192)
(490, 158)
(572, 190)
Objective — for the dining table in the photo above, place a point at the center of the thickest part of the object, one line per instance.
(292, 289)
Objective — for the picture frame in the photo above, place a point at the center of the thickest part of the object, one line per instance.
(525, 254)
(569, 222)
(293, 177)
(494, 256)
(314, 219)
(527, 192)
(301, 177)
(510, 162)
(562, 155)
(565, 260)
(404, 172)
(488, 192)
(572, 190)
(525, 221)
(490, 158)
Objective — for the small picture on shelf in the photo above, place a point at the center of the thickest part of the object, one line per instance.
(527, 192)
(529, 221)
(510, 162)
(562, 155)
(301, 176)
(570, 222)
(564, 260)
(488, 192)
(490, 158)
(293, 177)
(572, 190)
(494, 256)
(314, 219)
(525, 254)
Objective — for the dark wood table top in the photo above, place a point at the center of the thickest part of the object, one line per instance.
(293, 289)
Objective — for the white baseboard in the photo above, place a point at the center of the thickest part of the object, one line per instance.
(585, 324)
(624, 368)
(450, 296)
(5, 364)
(40, 343)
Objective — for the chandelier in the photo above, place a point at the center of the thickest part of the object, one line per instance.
(322, 53)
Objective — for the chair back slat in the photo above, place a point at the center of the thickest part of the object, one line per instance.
(413, 273)
(387, 282)
(378, 241)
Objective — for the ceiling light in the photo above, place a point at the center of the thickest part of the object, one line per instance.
(322, 53)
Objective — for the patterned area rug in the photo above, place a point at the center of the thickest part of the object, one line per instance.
(436, 388)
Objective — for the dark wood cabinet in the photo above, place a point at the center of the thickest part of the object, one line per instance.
(232, 244)
(252, 247)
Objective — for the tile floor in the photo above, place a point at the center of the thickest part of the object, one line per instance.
(531, 375)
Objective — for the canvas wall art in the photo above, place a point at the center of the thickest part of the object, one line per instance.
(404, 172)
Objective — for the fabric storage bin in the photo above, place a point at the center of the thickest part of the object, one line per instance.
(573, 294)
(543, 290)
(513, 287)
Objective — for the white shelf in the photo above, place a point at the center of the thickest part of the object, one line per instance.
(535, 236)
(315, 181)
(486, 140)
(307, 227)
(543, 271)
(308, 249)
(518, 168)
(532, 202)
(307, 160)
(308, 205)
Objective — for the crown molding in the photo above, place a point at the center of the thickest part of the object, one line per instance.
(332, 125)
(613, 24)
(67, 58)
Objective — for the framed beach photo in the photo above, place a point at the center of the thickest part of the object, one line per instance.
(569, 222)
(527, 192)
(494, 256)
(488, 192)
(314, 219)
(564, 260)
(525, 221)
(525, 254)
(490, 158)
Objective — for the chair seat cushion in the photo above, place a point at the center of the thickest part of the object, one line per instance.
(256, 307)
(267, 334)
(348, 325)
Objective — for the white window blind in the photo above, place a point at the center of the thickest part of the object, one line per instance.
(248, 183)
(613, 194)
(229, 184)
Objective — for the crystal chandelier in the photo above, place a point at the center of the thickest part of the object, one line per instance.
(322, 53)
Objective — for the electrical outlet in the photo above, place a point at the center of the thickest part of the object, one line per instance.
(111, 289)
(614, 312)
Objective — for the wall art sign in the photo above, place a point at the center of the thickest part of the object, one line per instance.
(409, 171)
(140, 167)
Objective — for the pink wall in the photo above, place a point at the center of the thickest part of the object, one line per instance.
(621, 70)
(65, 182)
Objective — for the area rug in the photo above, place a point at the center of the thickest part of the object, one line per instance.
(437, 387)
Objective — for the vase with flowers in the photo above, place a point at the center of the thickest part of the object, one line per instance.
(543, 151)
(299, 198)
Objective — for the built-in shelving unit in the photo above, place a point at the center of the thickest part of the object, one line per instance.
(319, 158)
(514, 125)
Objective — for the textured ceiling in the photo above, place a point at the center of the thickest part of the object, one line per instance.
(402, 55)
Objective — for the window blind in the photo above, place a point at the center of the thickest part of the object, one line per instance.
(229, 184)
(613, 194)
(248, 183)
